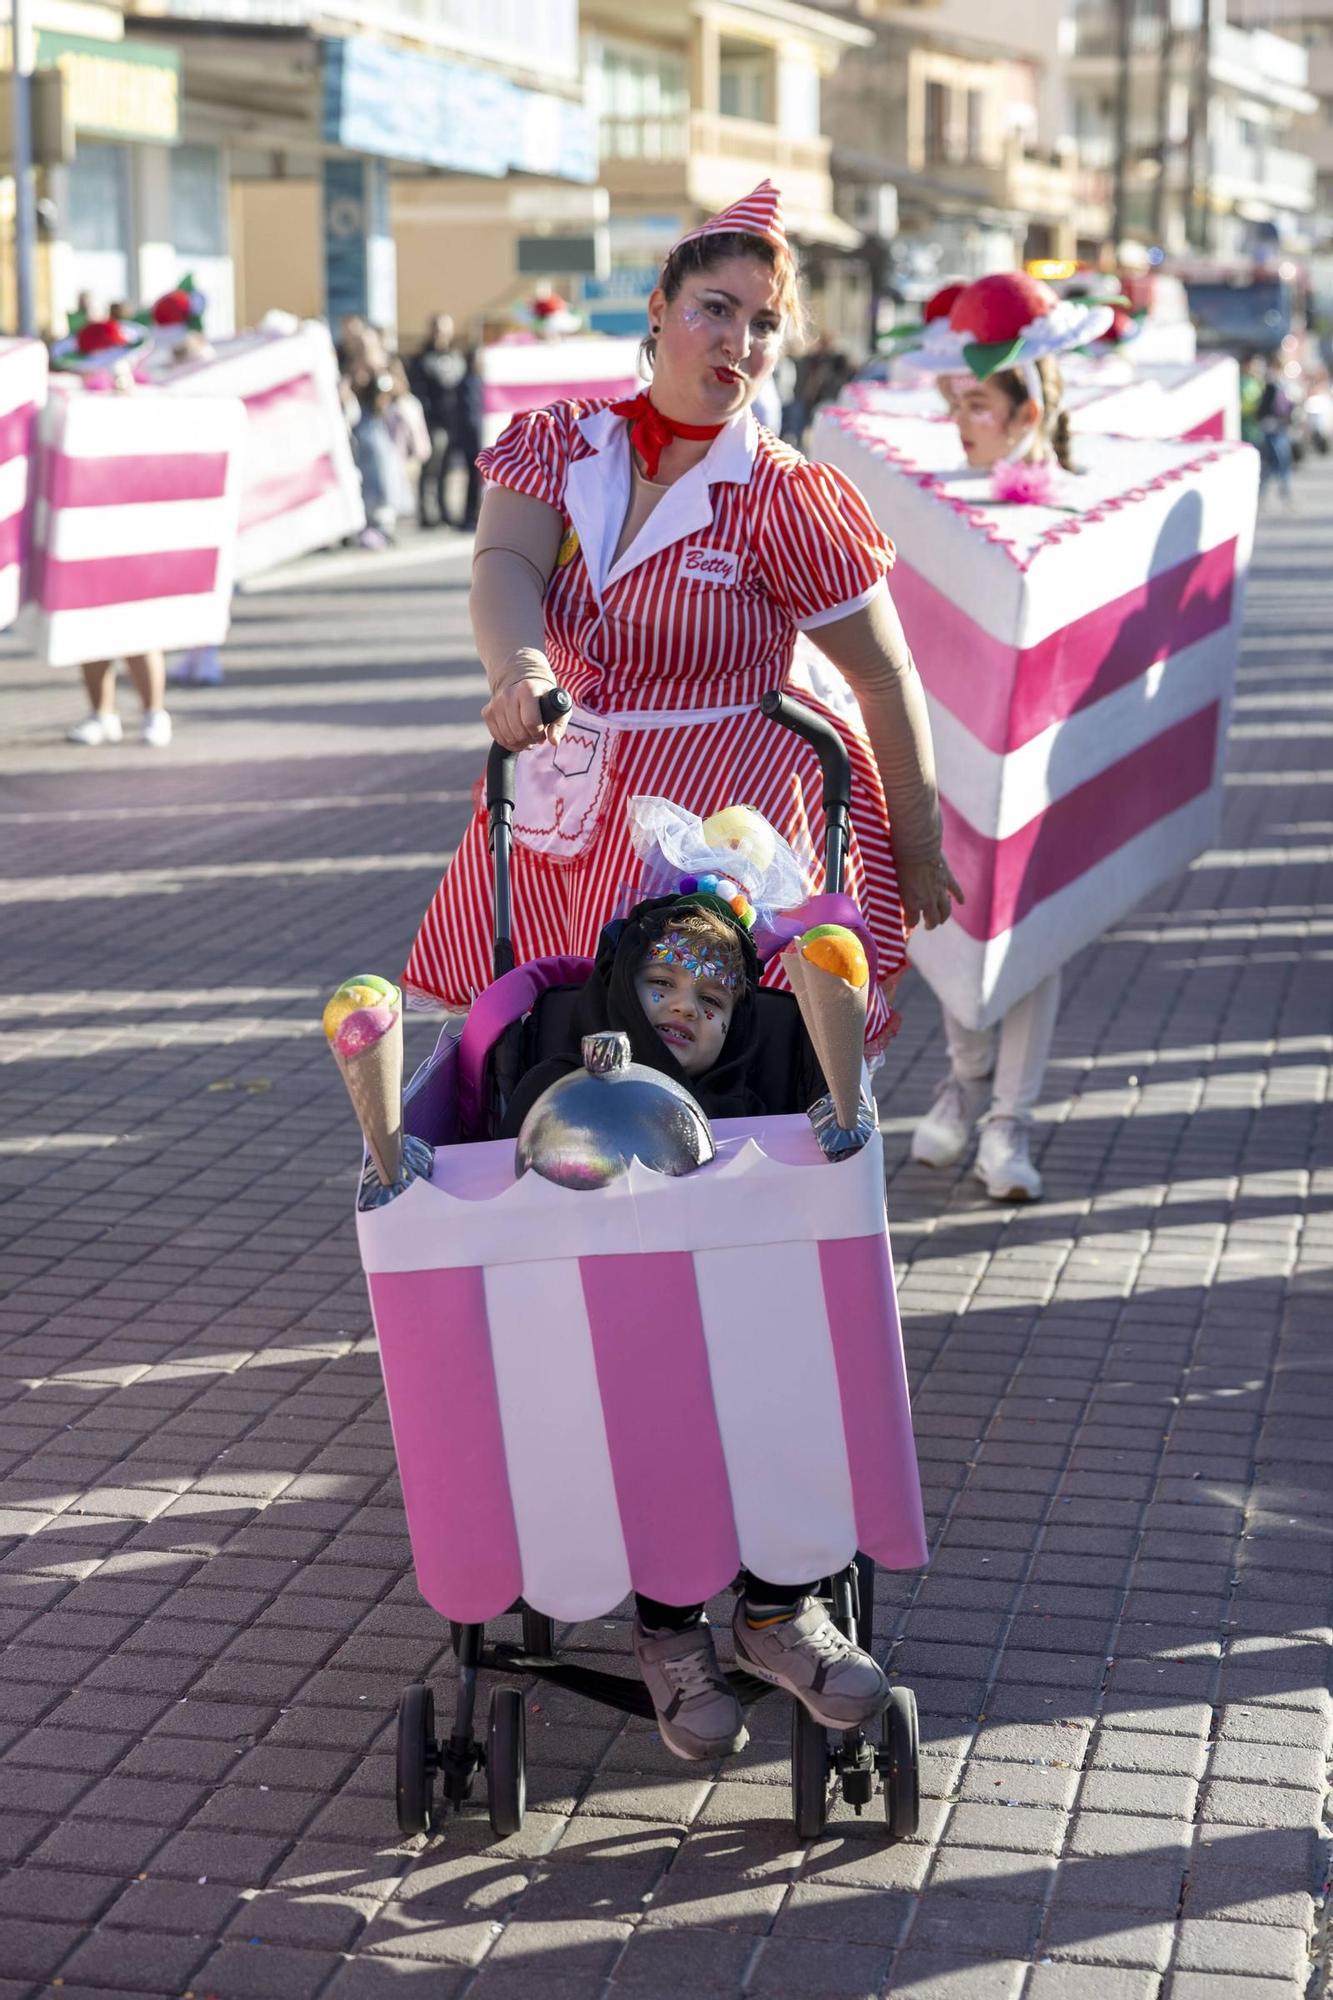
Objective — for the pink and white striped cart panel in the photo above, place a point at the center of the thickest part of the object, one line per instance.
(134, 531)
(647, 1385)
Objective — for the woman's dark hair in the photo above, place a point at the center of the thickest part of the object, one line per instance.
(704, 253)
(1054, 425)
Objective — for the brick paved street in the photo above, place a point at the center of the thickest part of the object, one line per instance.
(1124, 1402)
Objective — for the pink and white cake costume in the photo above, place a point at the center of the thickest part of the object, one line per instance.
(1078, 690)
(1079, 694)
(23, 370)
(134, 528)
(299, 486)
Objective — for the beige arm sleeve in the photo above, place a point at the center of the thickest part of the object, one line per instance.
(869, 648)
(517, 542)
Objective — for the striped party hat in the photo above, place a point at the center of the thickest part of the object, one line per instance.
(758, 214)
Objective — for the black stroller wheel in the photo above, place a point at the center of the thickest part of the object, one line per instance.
(538, 1634)
(899, 1764)
(865, 1602)
(811, 1766)
(506, 1762)
(418, 1759)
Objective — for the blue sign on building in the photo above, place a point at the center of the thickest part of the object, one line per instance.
(396, 104)
(360, 275)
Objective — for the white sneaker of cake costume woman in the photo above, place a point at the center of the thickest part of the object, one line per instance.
(102, 726)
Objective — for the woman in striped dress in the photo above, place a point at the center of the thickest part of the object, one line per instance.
(658, 558)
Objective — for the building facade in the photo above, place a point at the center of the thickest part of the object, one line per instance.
(139, 202)
(948, 150)
(692, 102)
(1310, 23)
(1210, 155)
(322, 113)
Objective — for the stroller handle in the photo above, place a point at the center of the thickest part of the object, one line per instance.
(500, 765)
(823, 738)
(836, 767)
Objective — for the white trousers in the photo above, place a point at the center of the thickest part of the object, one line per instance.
(1024, 1038)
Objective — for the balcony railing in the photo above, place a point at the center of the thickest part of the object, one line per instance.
(1268, 173)
(682, 135)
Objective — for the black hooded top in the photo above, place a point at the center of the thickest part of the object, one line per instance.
(609, 1000)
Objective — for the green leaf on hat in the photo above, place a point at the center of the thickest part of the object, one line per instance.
(987, 357)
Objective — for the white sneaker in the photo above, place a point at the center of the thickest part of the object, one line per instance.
(95, 730)
(941, 1139)
(1004, 1165)
(156, 731)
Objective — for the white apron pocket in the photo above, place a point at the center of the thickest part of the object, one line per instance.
(559, 793)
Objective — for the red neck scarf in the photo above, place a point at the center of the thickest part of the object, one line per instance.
(650, 432)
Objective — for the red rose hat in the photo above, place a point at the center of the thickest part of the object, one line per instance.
(94, 345)
(1004, 321)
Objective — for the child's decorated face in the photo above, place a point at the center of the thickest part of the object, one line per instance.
(691, 1012)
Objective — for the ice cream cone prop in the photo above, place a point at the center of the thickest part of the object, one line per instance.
(364, 1025)
(830, 976)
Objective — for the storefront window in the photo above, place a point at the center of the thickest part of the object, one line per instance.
(198, 220)
(98, 199)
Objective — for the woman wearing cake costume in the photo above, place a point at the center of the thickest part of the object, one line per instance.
(657, 557)
(995, 355)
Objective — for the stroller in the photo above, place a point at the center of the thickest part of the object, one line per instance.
(528, 1398)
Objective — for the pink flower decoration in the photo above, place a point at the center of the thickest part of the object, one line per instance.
(1025, 482)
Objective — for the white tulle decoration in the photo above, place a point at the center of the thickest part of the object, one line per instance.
(735, 844)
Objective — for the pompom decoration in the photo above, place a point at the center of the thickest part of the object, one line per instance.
(1029, 482)
(708, 885)
(688, 884)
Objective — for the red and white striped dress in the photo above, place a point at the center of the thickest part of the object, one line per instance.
(666, 653)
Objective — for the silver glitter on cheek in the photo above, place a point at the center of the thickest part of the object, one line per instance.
(692, 318)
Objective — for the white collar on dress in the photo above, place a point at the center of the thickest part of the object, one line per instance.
(597, 493)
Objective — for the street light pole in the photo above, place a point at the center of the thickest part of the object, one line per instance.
(25, 209)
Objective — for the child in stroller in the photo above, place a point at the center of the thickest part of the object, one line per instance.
(680, 976)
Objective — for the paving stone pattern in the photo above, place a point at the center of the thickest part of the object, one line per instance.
(1123, 1399)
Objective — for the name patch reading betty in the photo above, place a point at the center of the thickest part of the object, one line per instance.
(709, 565)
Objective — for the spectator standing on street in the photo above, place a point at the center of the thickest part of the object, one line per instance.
(443, 378)
(821, 376)
(383, 478)
(1274, 415)
(407, 427)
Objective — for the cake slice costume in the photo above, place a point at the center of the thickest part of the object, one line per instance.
(666, 650)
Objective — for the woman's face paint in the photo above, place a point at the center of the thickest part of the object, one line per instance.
(719, 340)
(691, 1015)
